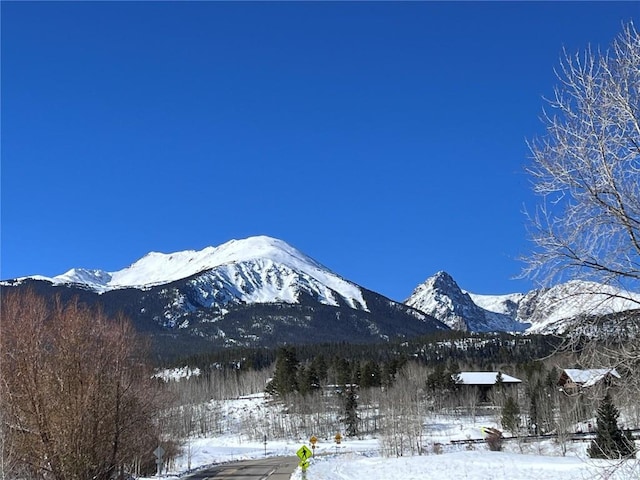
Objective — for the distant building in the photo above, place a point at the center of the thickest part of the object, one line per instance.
(573, 380)
(485, 382)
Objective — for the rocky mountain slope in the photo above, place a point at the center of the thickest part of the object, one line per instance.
(551, 310)
(441, 297)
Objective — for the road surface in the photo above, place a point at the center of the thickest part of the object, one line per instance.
(274, 468)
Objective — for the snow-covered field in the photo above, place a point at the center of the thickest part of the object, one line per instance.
(465, 465)
(361, 459)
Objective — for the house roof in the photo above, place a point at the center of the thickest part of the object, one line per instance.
(587, 378)
(483, 378)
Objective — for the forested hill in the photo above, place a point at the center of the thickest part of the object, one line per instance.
(476, 351)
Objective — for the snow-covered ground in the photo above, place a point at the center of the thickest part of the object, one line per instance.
(361, 459)
(466, 465)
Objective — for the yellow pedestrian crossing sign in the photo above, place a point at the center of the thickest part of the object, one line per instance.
(304, 453)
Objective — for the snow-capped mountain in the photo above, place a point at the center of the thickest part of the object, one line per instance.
(552, 310)
(254, 270)
(441, 297)
(259, 291)
(555, 309)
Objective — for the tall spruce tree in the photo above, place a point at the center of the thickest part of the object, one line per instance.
(351, 412)
(511, 415)
(610, 442)
(285, 378)
(342, 370)
(370, 375)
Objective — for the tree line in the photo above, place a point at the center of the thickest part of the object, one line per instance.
(485, 351)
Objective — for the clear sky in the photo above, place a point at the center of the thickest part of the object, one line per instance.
(385, 140)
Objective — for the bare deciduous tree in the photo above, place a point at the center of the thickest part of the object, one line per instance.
(78, 400)
(587, 169)
(403, 409)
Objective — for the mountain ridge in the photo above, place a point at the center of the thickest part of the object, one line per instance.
(258, 291)
(217, 283)
(551, 310)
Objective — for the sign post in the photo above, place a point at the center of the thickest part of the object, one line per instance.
(304, 454)
(313, 441)
(338, 439)
(159, 452)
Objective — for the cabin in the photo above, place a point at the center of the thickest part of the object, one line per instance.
(573, 380)
(486, 382)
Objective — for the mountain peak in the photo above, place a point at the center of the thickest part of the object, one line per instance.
(441, 297)
(442, 274)
(84, 276)
(439, 282)
(443, 280)
(261, 246)
(258, 269)
(157, 268)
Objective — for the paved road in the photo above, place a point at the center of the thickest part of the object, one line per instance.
(275, 468)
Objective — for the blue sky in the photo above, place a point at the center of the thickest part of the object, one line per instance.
(385, 140)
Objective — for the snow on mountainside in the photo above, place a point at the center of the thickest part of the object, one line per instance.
(551, 310)
(441, 297)
(218, 281)
(257, 269)
(256, 292)
(503, 304)
(543, 311)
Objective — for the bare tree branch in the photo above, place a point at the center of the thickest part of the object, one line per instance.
(586, 170)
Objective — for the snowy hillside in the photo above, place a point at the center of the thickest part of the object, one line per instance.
(503, 304)
(551, 310)
(254, 270)
(542, 311)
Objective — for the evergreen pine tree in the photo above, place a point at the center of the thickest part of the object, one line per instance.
(320, 366)
(511, 415)
(438, 380)
(342, 372)
(351, 412)
(308, 380)
(285, 378)
(370, 375)
(452, 379)
(610, 442)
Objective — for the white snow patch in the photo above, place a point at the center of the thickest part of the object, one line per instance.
(484, 378)
(496, 303)
(176, 374)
